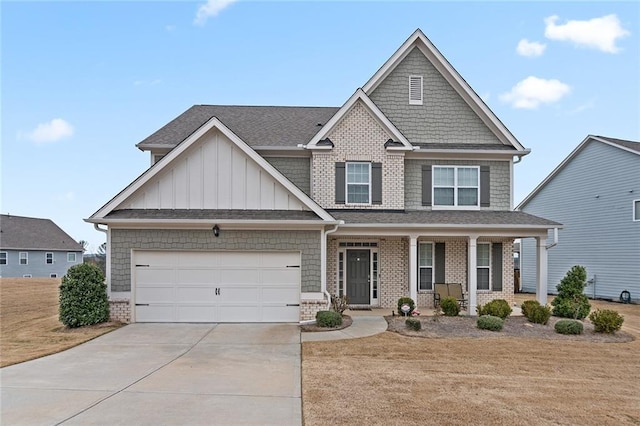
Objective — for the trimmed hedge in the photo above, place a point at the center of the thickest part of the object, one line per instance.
(539, 314)
(450, 306)
(83, 296)
(408, 301)
(497, 308)
(527, 306)
(606, 320)
(413, 324)
(490, 322)
(328, 319)
(567, 326)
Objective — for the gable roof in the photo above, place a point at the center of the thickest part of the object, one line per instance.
(419, 40)
(30, 233)
(255, 125)
(625, 145)
(100, 215)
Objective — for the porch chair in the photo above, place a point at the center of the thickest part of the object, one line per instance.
(440, 291)
(455, 290)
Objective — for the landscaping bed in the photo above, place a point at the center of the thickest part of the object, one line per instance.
(346, 322)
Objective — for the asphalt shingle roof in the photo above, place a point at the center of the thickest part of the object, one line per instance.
(207, 214)
(256, 125)
(622, 142)
(29, 233)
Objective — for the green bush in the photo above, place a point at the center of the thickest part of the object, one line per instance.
(450, 306)
(527, 305)
(497, 308)
(339, 303)
(571, 302)
(606, 320)
(490, 322)
(539, 314)
(568, 326)
(406, 300)
(413, 323)
(328, 319)
(83, 296)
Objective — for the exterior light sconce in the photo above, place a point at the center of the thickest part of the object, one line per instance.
(216, 231)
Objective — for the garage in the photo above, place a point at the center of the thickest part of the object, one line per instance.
(216, 286)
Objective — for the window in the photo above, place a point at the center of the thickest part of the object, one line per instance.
(456, 186)
(425, 266)
(483, 258)
(415, 90)
(24, 258)
(636, 210)
(3, 258)
(48, 258)
(71, 257)
(358, 183)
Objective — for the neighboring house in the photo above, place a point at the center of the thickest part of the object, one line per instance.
(31, 247)
(258, 213)
(595, 193)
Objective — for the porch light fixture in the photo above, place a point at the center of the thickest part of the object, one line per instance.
(216, 231)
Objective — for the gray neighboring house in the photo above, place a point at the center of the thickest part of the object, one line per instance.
(38, 248)
(595, 193)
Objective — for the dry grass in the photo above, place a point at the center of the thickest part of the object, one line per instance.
(394, 379)
(29, 326)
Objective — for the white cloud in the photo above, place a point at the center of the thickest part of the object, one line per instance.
(52, 131)
(597, 33)
(69, 196)
(530, 48)
(209, 9)
(531, 92)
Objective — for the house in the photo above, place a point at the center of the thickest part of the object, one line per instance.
(31, 247)
(259, 213)
(595, 193)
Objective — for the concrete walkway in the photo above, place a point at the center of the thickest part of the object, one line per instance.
(169, 374)
(365, 323)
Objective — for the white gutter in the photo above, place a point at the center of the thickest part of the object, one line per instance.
(555, 239)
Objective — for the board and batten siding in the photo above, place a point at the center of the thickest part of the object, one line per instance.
(213, 174)
(592, 196)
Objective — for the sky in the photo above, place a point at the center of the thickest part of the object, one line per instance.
(83, 82)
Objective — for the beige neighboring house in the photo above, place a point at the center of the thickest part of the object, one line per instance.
(259, 213)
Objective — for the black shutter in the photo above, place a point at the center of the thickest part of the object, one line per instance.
(426, 185)
(376, 183)
(440, 263)
(340, 182)
(485, 187)
(496, 266)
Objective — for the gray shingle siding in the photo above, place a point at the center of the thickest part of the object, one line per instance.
(499, 179)
(592, 196)
(123, 241)
(444, 116)
(297, 170)
(36, 265)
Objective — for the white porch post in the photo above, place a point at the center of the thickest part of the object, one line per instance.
(472, 276)
(413, 268)
(541, 270)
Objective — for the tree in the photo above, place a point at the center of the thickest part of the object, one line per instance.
(101, 257)
(85, 245)
(571, 302)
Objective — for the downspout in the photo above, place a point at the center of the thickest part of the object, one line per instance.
(107, 260)
(555, 239)
(323, 261)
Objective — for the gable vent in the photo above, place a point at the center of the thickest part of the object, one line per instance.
(415, 90)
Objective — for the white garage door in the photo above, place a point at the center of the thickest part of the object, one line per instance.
(185, 286)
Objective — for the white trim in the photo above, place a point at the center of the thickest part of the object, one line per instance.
(26, 258)
(346, 183)
(6, 257)
(75, 257)
(633, 211)
(46, 259)
(487, 267)
(343, 250)
(416, 101)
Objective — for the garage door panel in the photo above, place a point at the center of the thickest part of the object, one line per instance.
(198, 276)
(157, 258)
(280, 260)
(239, 276)
(195, 294)
(280, 294)
(242, 259)
(155, 294)
(194, 259)
(240, 313)
(154, 275)
(196, 313)
(156, 313)
(280, 276)
(244, 294)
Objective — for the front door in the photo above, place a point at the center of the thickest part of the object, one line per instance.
(358, 270)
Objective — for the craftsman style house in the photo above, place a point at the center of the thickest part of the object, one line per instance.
(253, 213)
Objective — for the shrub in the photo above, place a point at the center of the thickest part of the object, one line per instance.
(328, 319)
(489, 322)
(497, 308)
(339, 303)
(413, 324)
(406, 300)
(527, 305)
(450, 306)
(571, 302)
(539, 314)
(606, 320)
(568, 326)
(83, 296)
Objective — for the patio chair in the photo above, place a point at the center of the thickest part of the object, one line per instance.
(455, 290)
(440, 291)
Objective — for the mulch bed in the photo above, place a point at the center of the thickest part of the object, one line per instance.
(463, 326)
(346, 322)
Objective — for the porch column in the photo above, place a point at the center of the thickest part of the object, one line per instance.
(413, 268)
(472, 276)
(541, 270)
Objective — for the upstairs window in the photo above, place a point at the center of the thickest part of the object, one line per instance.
(3, 258)
(455, 186)
(358, 183)
(24, 258)
(48, 258)
(415, 90)
(71, 257)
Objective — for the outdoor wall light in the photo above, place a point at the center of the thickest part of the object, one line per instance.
(216, 231)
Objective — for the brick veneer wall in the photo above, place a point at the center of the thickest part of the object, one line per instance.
(309, 308)
(297, 170)
(120, 310)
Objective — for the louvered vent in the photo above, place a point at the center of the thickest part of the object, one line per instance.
(415, 90)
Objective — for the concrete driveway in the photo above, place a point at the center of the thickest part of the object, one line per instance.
(163, 374)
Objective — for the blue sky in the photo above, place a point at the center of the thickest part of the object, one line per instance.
(83, 82)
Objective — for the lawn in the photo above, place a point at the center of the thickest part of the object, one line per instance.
(394, 379)
(29, 326)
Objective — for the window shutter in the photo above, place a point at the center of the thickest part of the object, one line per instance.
(426, 185)
(340, 183)
(376, 183)
(496, 266)
(440, 263)
(415, 90)
(485, 187)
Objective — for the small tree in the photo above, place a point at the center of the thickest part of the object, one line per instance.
(83, 296)
(571, 302)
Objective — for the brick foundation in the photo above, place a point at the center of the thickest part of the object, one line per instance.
(308, 309)
(120, 310)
